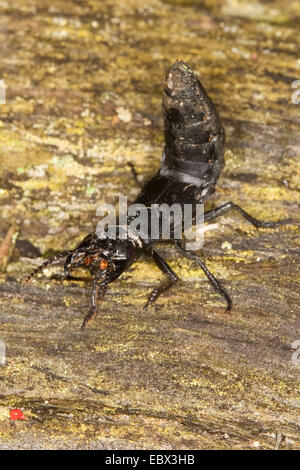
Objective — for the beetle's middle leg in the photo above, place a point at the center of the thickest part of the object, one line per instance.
(166, 269)
(218, 211)
(214, 282)
(134, 173)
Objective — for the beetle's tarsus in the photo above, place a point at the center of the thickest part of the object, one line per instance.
(157, 292)
(134, 173)
(229, 303)
(214, 282)
(277, 223)
(88, 317)
(94, 300)
(94, 295)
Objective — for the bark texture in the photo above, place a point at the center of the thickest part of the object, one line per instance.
(84, 86)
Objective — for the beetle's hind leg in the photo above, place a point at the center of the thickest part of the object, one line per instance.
(218, 211)
(214, 282)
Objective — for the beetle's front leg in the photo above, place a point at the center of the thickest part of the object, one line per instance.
(166, 269)
(94, 299)
(218, 211)
(69, 277)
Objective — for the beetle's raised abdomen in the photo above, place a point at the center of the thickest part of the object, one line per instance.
(194, 136)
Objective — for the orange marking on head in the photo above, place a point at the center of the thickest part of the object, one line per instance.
(103, 264)
(87, 261)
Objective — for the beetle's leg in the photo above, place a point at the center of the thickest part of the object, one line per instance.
(214, 282)
(166, 269)
(92, 311)
(69, 267)
(134, 173)
(94, 294)
(94, 301)
(69, 277)
(210, 215)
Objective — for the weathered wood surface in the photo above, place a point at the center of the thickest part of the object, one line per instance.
(84, 86)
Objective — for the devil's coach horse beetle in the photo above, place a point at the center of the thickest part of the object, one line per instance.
(193, 159)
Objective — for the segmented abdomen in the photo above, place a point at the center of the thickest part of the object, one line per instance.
(194, 136)
(193, 155)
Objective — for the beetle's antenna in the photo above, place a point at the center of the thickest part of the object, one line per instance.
(48, 261)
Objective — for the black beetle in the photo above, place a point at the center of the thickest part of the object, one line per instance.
(193, 158)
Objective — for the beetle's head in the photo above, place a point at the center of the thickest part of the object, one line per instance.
(106, 259)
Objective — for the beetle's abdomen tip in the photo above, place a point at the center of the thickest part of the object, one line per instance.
(180, 79)
(181, 65)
